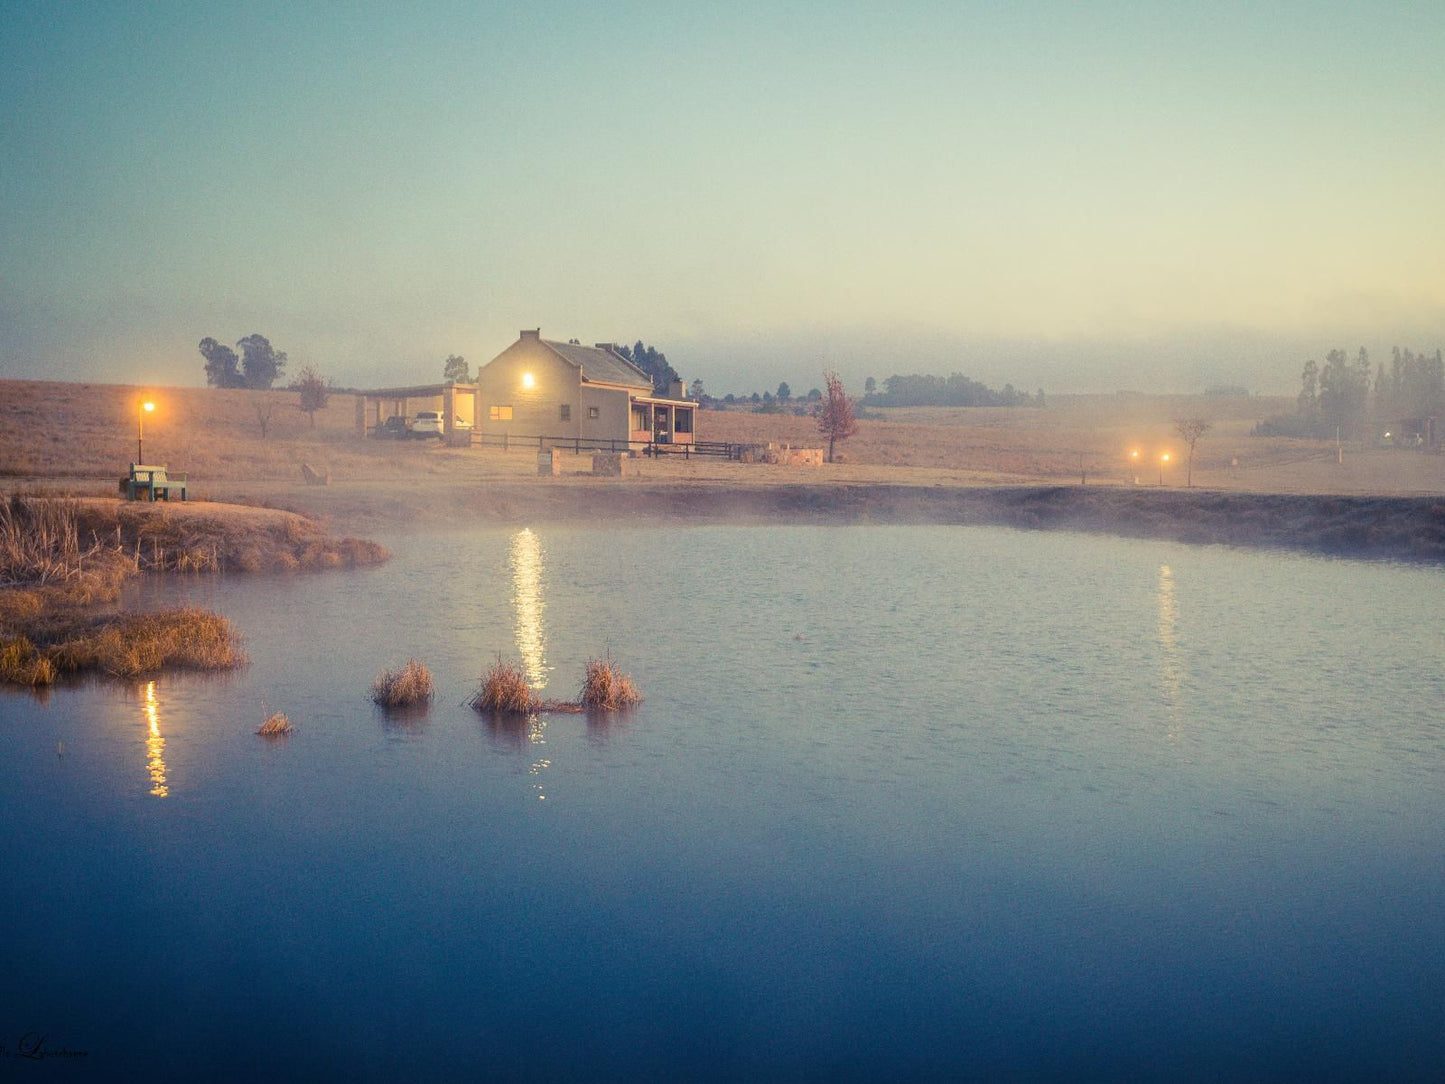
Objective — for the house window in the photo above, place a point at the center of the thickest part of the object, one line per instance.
(566, 412)
(501, 413)
(684, 420)
(593, 412)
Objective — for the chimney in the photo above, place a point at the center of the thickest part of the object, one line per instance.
(611, 348)
(674, 390)
(535, 333)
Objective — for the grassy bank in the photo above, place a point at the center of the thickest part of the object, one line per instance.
(63, 563)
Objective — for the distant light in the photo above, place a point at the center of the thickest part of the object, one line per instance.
(148, 407)
(1135, 453)
(528, 381)
(1165, 457)
(1387, 436)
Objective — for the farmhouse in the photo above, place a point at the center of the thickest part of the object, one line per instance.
(592, 394)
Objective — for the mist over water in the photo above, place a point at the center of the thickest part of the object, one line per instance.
(901, 800)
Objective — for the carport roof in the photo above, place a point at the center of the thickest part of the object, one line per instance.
(415, 392)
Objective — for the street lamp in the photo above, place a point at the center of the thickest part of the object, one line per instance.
(146, 407)
(1134, 457)
(1162, 460)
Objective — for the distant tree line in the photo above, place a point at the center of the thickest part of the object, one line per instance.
(1355, 400)
(919, 389)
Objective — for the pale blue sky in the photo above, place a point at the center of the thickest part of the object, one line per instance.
(1083, 197)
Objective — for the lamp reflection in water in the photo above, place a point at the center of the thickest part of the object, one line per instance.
(155, 744)
(527, 606)
(1171, 655)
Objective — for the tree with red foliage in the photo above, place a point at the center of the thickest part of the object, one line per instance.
(313, 391)
(835, 416)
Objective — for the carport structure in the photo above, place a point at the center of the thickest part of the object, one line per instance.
(457, 404)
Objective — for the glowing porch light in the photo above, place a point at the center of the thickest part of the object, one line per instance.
(528, 381)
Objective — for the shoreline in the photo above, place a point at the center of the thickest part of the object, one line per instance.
(1374, 528)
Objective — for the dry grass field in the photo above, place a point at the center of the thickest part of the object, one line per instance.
(1093, 436)
(80, 437)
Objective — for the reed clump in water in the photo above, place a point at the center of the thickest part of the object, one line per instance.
(276, 725)
(128, 645)
(407, 687)
(504, 691)
(606, 688)
(124, 645)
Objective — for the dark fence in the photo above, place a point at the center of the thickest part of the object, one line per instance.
(717, 448)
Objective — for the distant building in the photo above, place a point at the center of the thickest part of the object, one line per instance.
(539, 388)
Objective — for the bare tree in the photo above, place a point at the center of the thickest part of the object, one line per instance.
(313, 392)
(264, 409)
(835, 416)
(1190, 430)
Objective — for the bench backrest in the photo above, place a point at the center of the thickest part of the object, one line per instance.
(142, 473)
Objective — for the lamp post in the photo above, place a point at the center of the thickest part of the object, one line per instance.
(1134, 458)
(1162, 460)
(146, 407)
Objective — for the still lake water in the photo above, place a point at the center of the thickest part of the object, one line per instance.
(901, 801)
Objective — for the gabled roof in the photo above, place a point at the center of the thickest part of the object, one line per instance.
(601, 365)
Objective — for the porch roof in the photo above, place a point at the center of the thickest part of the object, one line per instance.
(657, 401)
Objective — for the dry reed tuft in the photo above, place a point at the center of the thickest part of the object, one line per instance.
(505, 691)
(412, 684)
(22, 664)
(41, 547)
(606, 688)
(276, 725)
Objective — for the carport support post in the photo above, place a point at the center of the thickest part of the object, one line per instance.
(361, 415)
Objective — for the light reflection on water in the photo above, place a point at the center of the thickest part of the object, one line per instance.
(155, 744)
(1171, 654)
(528, 605)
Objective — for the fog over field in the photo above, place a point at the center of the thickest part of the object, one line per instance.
(1078, 198)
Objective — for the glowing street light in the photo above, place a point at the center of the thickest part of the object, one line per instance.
(1134, 458)
(146, 407)
(1162, 460)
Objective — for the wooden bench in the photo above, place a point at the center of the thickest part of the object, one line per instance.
(149, 483)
